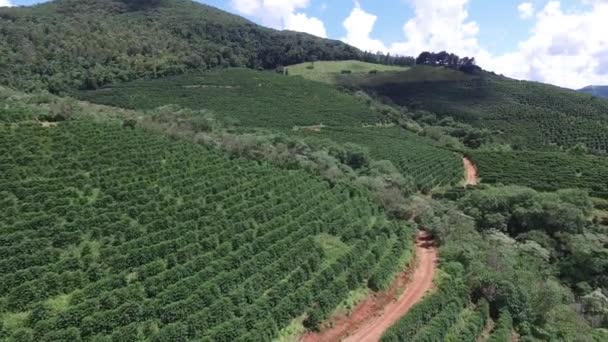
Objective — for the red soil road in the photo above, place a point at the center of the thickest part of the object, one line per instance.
(471, 172)
(374, 315)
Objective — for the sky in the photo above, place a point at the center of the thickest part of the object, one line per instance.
(562, 42)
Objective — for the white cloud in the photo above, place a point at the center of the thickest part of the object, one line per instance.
(302, 23)
(439, 25)
(359, 26)
(565, 48)
(281, 14)
(569, 49)
(526, 10)
(5, 3)
(436, 26)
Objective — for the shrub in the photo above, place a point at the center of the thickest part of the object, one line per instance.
(504, 328)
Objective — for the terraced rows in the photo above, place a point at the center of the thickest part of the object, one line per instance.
(114, 233)
(414, 156)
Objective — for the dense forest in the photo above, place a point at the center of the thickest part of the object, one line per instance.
(71, 44)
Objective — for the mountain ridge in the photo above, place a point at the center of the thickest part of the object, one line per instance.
(596, 90)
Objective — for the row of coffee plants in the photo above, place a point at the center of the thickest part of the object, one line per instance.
(254, 98)
(429, 166)
(109, 233)
(548, 171)
(431, 319)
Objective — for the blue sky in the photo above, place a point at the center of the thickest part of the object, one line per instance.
(496, 18)
(564, 42)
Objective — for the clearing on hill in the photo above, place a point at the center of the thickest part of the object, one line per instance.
(328, 71)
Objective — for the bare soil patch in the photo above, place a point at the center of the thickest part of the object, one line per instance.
(471, 172)
(47, 124)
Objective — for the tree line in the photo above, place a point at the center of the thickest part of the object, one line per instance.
(448, 60)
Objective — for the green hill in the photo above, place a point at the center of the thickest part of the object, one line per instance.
(270, 100)
(72, 44)
(254, 98)
(328, 71)
(527, 115)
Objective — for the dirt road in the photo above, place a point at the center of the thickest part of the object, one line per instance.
(471, 172)
(377, 313)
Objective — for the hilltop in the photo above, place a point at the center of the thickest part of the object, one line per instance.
(83, 44)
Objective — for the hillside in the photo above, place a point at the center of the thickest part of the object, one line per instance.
(526, 115)
(73, 44)
(296, 106)
(414, 156)
(254, 98)
(109, 231)
(546, 171)
(599, 91)
(171, 189)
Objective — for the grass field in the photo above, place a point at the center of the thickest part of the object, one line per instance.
(526, 115)
(545, 171)
(413, 155)
(254, 98)
(109, 232)
(327, 71)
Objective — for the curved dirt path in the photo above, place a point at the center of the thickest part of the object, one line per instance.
(471, 172)
(377, 313)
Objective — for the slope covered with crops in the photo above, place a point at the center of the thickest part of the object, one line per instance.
(108, 231)
(254, 98)
(546, 171)
(527, 115)
(413, 155)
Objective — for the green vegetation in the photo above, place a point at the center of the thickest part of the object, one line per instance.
(255, 99)
(73, 44)
(218, 203)
(504, 328)
(430, 319)
(143, 233)
(414, 156)
(327, 71)
(470, 324)
(526, 115)
(258, 99)
(538, 256)
(546, 171)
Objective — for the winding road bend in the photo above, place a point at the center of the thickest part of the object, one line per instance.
(374, 315)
